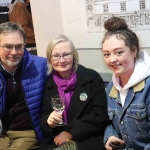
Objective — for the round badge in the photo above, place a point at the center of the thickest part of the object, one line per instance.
(83, 97)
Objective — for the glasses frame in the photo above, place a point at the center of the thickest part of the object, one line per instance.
(52, 57)
(13, 47)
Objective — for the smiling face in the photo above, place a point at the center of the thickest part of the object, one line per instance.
(10, 60)
(118, 57)
(62, 66)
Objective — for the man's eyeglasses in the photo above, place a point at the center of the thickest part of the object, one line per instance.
(10, 47)
(65, 56)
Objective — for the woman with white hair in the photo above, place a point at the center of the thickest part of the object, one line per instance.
(85, 112)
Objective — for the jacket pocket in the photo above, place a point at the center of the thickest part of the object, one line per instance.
(137, 112)
(138, 121)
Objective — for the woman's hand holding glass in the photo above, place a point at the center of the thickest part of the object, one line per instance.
(54, 119)
(113, 139)
(58, 103)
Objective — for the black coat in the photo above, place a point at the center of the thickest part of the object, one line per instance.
(87, 119)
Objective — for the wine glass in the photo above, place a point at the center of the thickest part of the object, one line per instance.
(58, 104)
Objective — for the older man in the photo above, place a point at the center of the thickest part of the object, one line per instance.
(22, 78)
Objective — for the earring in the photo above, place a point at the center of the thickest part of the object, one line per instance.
(135, 59)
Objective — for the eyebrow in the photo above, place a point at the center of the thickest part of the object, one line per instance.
(14, 44)
(62, 54)
(119, 48)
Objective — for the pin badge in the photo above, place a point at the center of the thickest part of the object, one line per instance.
(83, 97)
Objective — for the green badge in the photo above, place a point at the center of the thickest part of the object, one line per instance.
(83, 97)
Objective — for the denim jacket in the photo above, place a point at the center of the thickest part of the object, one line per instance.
(131, 122)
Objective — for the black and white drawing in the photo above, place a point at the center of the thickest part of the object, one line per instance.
(83, 20)
(135, 12)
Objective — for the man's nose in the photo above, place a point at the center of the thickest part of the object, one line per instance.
(14, 51)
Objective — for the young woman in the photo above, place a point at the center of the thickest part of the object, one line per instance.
(84, 92)
(129, 92)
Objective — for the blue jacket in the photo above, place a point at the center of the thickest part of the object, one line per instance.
(33, 80)
(131, 122)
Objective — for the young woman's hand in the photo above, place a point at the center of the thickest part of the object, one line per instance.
(113, 139)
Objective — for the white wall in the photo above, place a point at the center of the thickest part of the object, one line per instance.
(47, 24)
(45, 18)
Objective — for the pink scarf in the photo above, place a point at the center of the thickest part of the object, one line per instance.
(65, 88)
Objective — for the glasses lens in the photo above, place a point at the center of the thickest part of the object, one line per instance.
(8, 48)
(55, 57)
(66, 56)
(19, 47)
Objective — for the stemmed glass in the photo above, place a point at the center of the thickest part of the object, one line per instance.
(58, 104)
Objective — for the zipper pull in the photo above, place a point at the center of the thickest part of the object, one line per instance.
(14, 80)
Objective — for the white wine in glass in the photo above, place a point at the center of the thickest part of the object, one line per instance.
(58, 104)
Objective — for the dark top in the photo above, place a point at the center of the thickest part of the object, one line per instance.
(16, 116)
(86, 119)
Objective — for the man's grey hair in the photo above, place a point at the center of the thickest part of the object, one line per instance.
(10, 27)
